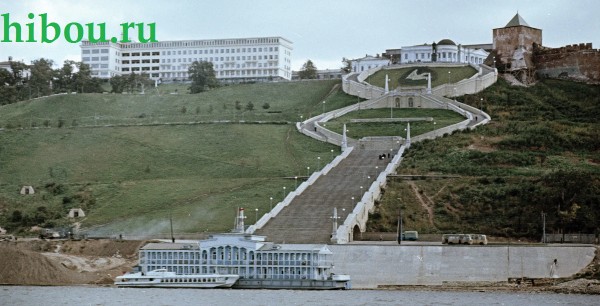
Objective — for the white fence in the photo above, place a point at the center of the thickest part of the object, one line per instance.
(290, 196)
(360, 213)
(353, 84)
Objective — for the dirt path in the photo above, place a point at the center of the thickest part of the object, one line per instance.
(428, 208)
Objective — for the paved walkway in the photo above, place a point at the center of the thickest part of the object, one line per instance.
(307, 219)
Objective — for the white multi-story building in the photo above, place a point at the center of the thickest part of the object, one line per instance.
(234, 60)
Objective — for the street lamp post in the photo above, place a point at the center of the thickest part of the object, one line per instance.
(449, 73)
(331, 154)
(296, 182)
(391, 111)
(434, 123)
(271, 199)
(255, 215)
(284, 192)
(318, 162)
(307, 171)
(399, 229)
(323, 107)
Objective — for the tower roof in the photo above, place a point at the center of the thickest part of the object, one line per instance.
(516, 21)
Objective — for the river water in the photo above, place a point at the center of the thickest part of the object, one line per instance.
(84, 295)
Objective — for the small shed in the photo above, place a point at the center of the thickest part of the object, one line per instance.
(76, 213)
(27, 190)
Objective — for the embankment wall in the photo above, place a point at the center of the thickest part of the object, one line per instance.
(372, 265)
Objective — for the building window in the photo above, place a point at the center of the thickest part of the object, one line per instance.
(85, 52)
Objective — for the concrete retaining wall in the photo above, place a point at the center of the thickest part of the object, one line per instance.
(372, 265)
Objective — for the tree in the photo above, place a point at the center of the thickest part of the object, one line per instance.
(8, 92)
(250, 106)
(64, 77)
(203, 76)
(266, 105)
(83, 81)
(118, 83)
(17, 69)
(308, 71)
(42, 76)
(347, 68)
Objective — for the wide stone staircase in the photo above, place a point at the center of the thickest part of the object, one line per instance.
(307, 219)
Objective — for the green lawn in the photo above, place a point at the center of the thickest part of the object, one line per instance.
(129, 179)
(439, 76)
(286, 101)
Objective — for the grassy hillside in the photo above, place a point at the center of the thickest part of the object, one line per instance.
(131, 178)
(286, 102)
(540, 153)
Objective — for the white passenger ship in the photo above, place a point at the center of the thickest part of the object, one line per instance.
(259, 264)
(164, 279)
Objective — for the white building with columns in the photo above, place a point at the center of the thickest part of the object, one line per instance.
(445, 51)
(368, 62)
(234, 60)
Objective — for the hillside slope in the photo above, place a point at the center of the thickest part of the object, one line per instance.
(132, 162)
(540, 154)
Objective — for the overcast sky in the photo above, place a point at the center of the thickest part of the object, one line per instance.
(321, 30)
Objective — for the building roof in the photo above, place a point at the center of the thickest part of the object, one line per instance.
(170, 246)
(516, 21)
(446, 42)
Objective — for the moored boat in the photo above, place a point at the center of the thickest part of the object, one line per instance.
(162, 278)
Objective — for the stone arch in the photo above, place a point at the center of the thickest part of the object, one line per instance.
(356, 233)
(411, 102)
(397, 100)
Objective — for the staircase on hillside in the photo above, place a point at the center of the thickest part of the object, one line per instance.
(307, 219)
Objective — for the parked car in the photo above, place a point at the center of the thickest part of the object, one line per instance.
(410, 235)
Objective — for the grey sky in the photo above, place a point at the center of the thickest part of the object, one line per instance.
(323, 31)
